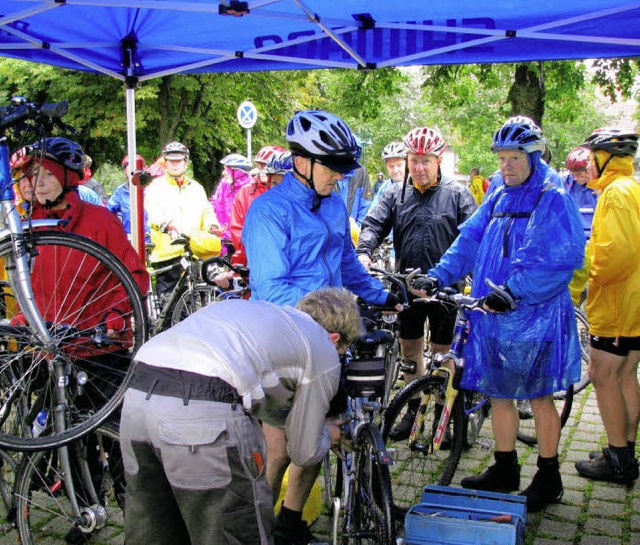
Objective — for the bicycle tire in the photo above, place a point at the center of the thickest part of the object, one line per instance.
(416, 467)
(391, 356)
(585, 347)
(8, 467)
(373, 520)
(526, 430)
(96, 373)
(43, 509)
(191, 301)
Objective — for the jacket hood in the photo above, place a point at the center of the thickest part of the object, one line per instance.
(618, 166)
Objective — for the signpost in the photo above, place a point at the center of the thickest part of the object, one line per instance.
(247, 117)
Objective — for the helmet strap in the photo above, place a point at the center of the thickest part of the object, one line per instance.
(599, 168)
(317, 198)
(405, 181)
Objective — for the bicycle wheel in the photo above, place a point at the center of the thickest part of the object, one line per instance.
(417, 464)
(391, 356)
(82, 371)
(373, 521)
(585, 347)
(192, 301)
(44, 511)
(527, 431)
(8, 465)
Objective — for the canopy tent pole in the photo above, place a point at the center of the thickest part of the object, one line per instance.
(137, 205)
(135, 192)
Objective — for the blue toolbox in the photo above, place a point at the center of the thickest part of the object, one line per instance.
(457, 516)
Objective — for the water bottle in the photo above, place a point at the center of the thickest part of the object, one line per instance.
(39, 423)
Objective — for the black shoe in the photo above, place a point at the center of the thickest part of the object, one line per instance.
(594, 454)
(294, 533)
(402, 429)
(603, 468)
(497, 478)
(545, 488)
(75, 536)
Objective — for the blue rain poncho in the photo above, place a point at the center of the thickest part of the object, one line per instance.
(533, 350)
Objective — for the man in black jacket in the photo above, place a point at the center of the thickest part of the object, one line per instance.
(424, 213)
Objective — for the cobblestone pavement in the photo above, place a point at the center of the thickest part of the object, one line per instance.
(590, 513)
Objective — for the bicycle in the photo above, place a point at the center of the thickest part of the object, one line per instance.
(48, 504)
(526, 431)
(359, 484)
(192, 292)
(428, 454)
(382, 332)
(49, 365)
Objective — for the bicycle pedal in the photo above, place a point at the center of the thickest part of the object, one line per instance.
(408, 366)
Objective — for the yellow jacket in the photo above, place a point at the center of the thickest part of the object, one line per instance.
(186, 207)
(477, 189)
(613, 300)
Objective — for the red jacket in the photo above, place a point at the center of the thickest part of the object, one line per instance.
(81, 307)
(241, 203)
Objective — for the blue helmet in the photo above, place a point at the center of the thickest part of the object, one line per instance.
(235, 160)
(519, 136)
(279, 163)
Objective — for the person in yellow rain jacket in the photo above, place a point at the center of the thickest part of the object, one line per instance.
(476, 185)
(176, 205)
(613, 303)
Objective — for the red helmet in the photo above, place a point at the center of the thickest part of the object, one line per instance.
(266, 153)
(140, 164)
(424, 141)
(578, 159)
(20, 158)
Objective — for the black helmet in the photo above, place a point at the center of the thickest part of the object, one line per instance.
(62, 150)
(614, 141)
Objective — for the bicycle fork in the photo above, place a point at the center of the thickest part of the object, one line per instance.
(449, 395)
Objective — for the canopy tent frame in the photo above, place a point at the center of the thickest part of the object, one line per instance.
(138, 40)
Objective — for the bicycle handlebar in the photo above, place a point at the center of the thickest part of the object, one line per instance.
(20, 110)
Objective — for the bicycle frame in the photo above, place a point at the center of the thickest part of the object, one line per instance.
(451, 374)
(360, 413)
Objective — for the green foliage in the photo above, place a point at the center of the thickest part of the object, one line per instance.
(466, 102)
(616, 77)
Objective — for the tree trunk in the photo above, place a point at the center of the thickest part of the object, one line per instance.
(527, 93)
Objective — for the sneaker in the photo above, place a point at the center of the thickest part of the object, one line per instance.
(525, 412)
(602, 468)
(545, 489)
(497, 478)
(402, 429)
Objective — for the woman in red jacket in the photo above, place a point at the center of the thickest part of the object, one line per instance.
(74, 291)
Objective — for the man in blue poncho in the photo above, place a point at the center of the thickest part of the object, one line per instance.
(526, 346)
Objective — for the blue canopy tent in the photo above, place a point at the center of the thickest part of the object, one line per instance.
(136, 40)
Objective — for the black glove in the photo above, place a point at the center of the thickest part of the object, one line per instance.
(392, 300)
(500, 302)
(425, 283)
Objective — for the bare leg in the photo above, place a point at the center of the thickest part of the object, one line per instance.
(412, 349)
(631, 393)
(277, 457)
(547, 423)
(606, 373)
(301, 480)
(504, 422)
